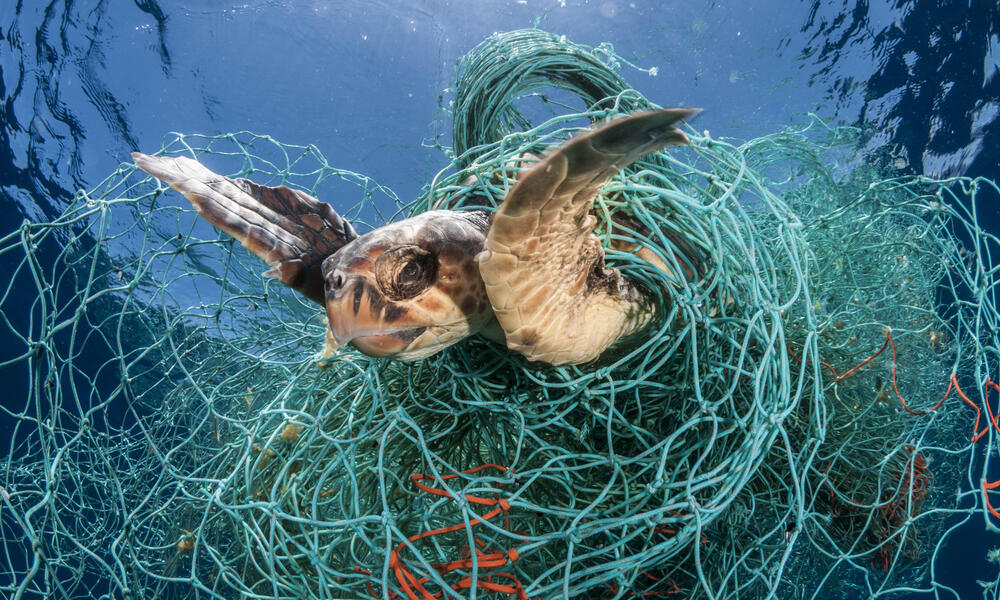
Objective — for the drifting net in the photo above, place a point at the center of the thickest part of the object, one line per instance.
(794, 425)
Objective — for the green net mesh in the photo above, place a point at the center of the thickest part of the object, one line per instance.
(795, 425)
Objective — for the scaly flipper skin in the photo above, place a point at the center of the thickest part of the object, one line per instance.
(289, 229)
(542, 265)
(405, 290)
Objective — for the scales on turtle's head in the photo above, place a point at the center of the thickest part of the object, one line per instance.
(532, 274)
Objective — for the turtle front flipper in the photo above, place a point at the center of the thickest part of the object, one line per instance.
(289, 229)
(543, 266)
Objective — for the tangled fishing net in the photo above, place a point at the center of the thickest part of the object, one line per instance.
(795, 424)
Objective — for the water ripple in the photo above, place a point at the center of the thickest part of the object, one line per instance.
(923, 71)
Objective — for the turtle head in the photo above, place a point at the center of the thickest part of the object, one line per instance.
(410, 288)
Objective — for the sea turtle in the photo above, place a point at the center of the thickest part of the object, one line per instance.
(532, 274)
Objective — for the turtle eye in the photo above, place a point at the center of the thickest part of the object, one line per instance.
(405, 271)
(410, 271)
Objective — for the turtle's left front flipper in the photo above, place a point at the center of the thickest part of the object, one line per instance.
(543, 266)
(289, 229)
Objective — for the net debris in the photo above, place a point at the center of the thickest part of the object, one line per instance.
(795, 424)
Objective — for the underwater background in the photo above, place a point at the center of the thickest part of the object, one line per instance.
(85, 83)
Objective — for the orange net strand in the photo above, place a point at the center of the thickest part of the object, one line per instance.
(987, 486)
(853, 369)
(895, 388)
(989, 410)
(414, 588)
(975, 428)
(795, 356)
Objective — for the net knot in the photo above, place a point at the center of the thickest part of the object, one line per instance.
(572, 536)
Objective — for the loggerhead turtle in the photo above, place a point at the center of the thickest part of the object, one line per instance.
(532, 274)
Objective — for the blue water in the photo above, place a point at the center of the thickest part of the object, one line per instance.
(86, 82)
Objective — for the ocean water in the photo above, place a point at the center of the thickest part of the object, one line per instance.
(84, 83)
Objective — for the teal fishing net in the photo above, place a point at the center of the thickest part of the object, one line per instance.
(795, 424)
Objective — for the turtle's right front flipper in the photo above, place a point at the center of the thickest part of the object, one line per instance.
(289, 229)
(542, 265)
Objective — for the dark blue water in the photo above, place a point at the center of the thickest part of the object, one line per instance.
(85, 82)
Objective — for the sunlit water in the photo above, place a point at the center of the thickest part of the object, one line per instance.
(85, 83)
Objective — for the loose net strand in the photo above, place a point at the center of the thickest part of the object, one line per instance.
(794, 424)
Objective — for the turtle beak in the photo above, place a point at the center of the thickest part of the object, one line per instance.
(348, 307)
(381, 345)
(359, 314)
